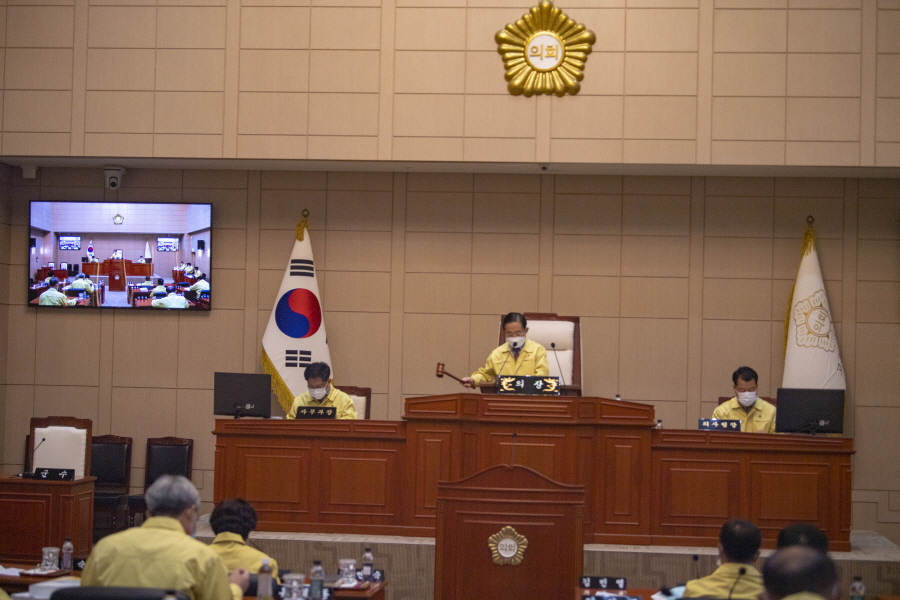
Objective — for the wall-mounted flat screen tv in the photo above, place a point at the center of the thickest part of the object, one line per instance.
(135, 255)
(167, 244)
(70, 242)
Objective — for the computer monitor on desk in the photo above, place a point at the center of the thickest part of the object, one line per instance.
(242, 395)
(802, 410)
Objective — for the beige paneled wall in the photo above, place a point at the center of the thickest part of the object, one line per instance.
(677, 280)
(684, 82)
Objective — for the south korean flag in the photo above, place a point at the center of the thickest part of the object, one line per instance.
(295, 335)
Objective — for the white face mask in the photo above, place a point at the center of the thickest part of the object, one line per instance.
(746, 398)
(516, 342)
(319, 393)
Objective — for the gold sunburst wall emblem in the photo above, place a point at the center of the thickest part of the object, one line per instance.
(544, 52)
(507, 547)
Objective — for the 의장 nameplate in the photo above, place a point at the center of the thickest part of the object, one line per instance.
(528, 384)
(322, 412)
(719, 425)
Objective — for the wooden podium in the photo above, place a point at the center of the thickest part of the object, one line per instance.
(642, 485)
(500, 504)
(36, 513)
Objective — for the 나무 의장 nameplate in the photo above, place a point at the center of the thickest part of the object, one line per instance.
(719, 425)
(528, 384)
(322, 412)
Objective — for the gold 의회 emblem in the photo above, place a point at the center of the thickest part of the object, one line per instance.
(507, 547)
(544, 52)
(812, 319)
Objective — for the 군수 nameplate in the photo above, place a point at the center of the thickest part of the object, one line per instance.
(719, 425)
(322, 412)
(528, 384)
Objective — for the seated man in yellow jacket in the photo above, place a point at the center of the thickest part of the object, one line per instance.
(518, 356)
(232, 521)
(736, 577)
(321, 393)
(800, 573)
(757, 415)
(161, 553)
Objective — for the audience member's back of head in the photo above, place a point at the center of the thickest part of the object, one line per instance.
(803, 534)
(740, 540)
(171, 495)
(797, 569)
(234, 516)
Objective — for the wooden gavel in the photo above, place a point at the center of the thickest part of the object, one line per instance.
(440, 372)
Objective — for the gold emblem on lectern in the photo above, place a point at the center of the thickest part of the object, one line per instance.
(544, 52)
(507, 547)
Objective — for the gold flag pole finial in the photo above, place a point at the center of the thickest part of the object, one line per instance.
(303, 225)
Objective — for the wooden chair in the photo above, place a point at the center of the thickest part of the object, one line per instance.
(63, 444)
(165, 456)
(111, 465)
(548, 329)
(361, 396)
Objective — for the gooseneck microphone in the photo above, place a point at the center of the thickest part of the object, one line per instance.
(512, 346)
(741, 572)
(36, 447)
(558, 366)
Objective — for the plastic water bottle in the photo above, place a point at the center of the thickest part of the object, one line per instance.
(368, 564)
(68, 551)
(857, 589)
(264, 580)
(316, 580)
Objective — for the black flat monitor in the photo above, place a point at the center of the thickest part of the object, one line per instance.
(802, 410)
(242, 395)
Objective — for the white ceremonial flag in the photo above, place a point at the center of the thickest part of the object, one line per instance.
(147, 250)
(295, 335)
(812, 358)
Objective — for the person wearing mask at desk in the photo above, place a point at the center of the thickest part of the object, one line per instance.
(232, 521)
(53, 297)
(756, 415)
(179, 267)
(200, 285)
(172, 300)
(321, 393)
(518, 356)
(189, 270)
(736, 577)
(141, 260)
(82, 282)
(160, 287)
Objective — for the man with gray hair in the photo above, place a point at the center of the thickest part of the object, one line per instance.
(161, 552)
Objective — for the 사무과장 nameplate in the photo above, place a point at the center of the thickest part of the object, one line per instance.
(321, 412)
(719, 425)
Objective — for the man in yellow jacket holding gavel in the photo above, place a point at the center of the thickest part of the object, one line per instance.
(518, 356)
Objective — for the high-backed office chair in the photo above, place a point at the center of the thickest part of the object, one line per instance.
(549, 329)
(361, 396)
(165, 456)
(111, 465)
(73, 292)
(62, 443)
(116, 593)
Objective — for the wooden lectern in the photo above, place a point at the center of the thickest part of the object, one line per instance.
(508, 532)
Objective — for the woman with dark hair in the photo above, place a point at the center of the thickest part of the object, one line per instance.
(518, 356)
(232, 521)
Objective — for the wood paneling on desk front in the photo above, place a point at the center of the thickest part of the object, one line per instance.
(36, 513)
(643, 485)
